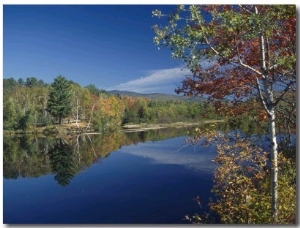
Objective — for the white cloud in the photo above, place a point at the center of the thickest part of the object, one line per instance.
(157, 81)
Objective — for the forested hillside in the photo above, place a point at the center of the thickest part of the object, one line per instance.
(32, 103)
(157, 96)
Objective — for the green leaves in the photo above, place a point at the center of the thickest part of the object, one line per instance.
(59, 102)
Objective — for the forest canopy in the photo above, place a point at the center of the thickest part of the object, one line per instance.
(32, 103)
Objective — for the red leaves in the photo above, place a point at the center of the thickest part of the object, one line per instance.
(233, 34)
(218, 84)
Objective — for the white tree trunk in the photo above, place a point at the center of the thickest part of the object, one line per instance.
(270, 109)
(274, 166)
(269, 105)
(77, 117)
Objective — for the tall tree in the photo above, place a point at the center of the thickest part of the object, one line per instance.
(236, 51)
(59, 102)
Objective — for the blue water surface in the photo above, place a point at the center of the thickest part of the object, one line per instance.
(147, 183)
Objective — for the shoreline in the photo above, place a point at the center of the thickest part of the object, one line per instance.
(67, 129)
(145, 127)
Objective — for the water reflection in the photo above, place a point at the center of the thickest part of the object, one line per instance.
(176, 152)
(31, 156)
(62, 162)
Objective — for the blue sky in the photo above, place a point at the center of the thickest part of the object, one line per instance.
(110, 46)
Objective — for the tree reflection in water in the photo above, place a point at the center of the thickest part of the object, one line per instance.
(32, 156)
(62, 162)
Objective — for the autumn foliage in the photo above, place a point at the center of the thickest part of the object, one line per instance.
(242, 180)
(237, 53)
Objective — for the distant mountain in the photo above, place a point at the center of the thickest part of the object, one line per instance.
(156, 96)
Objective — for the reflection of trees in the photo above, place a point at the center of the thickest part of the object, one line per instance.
(62, 162)
(35, 156)
(10, 159)
(156, 135)
(23, 156)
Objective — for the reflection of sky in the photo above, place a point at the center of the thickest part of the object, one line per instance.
(175, 151)
(147, 183)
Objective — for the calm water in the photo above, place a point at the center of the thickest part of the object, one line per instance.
(117, 178)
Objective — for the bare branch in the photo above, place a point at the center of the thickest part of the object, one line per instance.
(251, 68)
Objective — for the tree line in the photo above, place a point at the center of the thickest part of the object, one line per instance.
(32, 103)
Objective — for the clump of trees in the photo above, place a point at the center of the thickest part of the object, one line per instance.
(31, 103)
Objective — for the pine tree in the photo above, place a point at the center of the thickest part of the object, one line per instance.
(59, 103)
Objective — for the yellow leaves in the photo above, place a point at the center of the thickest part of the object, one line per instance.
(243, 185)
(234, 185)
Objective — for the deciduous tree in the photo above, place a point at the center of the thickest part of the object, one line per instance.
(235, 52)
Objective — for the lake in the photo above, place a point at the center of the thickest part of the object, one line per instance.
(114, 178)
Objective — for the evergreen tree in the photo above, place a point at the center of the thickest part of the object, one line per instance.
(9, 84)
(26, 121)
(59, 102)
(94, 90)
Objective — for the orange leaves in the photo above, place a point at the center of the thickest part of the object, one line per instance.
(263, 116)
(130, 101)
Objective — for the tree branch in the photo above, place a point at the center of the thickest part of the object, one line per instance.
(284, 114)
(283, 93)
(245, 65)
(251, 68)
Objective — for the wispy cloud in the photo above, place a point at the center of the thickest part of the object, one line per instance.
(158, 81)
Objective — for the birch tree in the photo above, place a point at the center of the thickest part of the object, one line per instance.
(235, 52)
